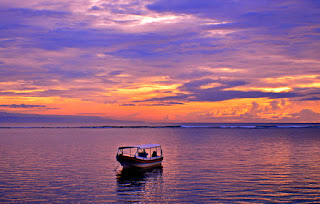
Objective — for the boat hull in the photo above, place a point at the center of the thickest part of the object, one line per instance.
(133, 162)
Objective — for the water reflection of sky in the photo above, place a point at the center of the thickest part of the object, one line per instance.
(200, 165)
(134, 185)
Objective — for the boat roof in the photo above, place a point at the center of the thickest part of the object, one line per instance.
(141, 146)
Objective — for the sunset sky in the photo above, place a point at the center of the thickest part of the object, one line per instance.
(162, 60)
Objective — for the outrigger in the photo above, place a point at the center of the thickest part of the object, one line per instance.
(140, 156)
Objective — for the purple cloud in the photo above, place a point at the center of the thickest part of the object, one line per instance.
(23, 106)
(315, 98)
(218, 93)
(196, 84)
(89, 50)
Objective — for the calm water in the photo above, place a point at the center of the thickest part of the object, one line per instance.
(200, 165)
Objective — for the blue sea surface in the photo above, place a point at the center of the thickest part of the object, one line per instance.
(203, 163)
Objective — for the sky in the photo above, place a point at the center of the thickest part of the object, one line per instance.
(162, 60)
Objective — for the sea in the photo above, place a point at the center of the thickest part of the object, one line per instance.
(203, 163)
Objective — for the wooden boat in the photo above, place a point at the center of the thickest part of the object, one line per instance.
(140, 156)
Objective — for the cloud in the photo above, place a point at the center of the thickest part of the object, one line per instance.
(130, 7)
(248, 113)
(256, 113)
(65, 73)
(128, 104)
(272, 23)
(193, 51)
(25, 106)
(54, 30)
(76, 38)
(166, 103)
(115, 73)
(37, 118)
(276, 105)
(85, 93)
(306, 115)
(212, 95)
(195, 74)
(223, 84)
(219, 92)
(260, 12)
(12, 19)
(195, 84)
(27, 13)
(315, 98)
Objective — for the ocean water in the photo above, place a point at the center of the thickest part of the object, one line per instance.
(203, 163)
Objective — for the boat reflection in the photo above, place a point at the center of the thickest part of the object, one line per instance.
(139, 185)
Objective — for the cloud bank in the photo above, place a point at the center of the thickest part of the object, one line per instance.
(145, 60)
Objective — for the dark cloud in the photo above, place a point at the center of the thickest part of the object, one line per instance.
(47, 75)
(168, 46)
(115, 73)
(220, 95)
(74, 38)
(261, 22)
(212, 95)
(25, 23)
(257, 13)
(128, 104)
(80, 92)
(147, 44)
(67, 73)
(196, 84)
(25, 106)
(27, 13)
(131, 7)
(275, 105)
(196, 93)
(311, 99)
(187, 6)
(19, 26)
(37, 118)
(16, 18)
(167, 103)
(308, 94)
(134, 53)
(20, 71)
(196, 74)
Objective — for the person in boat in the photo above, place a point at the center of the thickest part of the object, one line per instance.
(143, 153)
(154, 154)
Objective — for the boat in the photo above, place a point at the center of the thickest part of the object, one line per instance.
(140, 156)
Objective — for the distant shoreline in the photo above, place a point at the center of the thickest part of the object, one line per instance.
(184, 126)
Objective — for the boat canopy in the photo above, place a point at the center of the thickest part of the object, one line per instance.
(141, 146)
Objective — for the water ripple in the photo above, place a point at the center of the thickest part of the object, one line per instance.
(201, 165)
